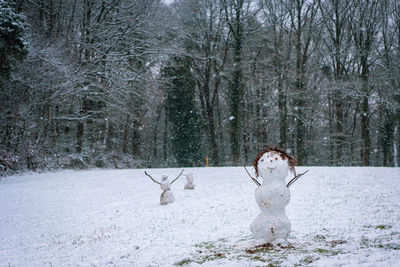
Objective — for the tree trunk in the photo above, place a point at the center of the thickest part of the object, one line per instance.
(236, 87)
(110, 136)
(210, 121)
(300, 131)
(135, 140)
(155, 133)
(339, 129)
(395, 146)
(80, 126)
(125, 136)
(246, 134)
(69, 31)
(213, 137)
(331, 143)
(165, 137)
(282, 116)
(365, 116)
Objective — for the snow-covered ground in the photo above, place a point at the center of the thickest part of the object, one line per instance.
(339, 216)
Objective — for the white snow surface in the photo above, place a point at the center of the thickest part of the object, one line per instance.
(341, 216)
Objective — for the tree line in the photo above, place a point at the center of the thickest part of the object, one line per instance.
(145, 83)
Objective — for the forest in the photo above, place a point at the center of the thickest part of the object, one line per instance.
(150, 83)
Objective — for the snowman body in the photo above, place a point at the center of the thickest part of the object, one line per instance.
(189, 182)
(166, 196)
(272, 224)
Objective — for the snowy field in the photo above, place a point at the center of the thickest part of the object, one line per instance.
(340, 216)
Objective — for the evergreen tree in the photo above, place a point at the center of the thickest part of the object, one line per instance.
(13, 43)
(182, 111)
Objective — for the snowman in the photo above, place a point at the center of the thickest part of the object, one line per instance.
(189, 181)
(166, 196)
(272, 224)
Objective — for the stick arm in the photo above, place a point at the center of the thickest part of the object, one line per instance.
(151, 178)
(295, 178)
(252, 178)
(178, 176)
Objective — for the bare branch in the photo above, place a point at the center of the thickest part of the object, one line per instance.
(295, 178)
(151, 178)
(252, 178)
(178, 176)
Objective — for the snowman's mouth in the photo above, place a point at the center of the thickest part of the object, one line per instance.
(271, 169)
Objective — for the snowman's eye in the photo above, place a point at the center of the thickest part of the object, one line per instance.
(262, 160)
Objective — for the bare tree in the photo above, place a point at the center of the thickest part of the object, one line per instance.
(335, 16)
(238, 14)
(364, 25)
(206, 42)
(303, 15)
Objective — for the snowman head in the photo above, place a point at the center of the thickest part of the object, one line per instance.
(189, 177)
(274, 162)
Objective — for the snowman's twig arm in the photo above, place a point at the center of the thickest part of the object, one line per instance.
(151, 178)
(252, 178)
(295, 178)
(177, 177)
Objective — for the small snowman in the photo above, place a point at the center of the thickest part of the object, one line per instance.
(166, 196)
(189, 181)
(272, 224)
